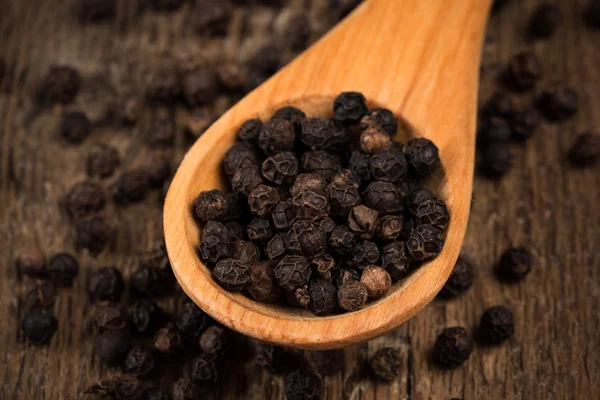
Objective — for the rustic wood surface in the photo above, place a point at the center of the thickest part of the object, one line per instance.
(542, 204)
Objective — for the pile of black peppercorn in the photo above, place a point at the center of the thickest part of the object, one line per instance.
(324, 213)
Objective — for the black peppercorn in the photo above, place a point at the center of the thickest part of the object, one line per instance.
(292, 114)
(167, 340)
(524, 122)
(262, 200)
(524, 70)
(302, 385)
(39, 325)
(500, 104)
(211, 17)
(275, 248)
(377, 281)
(352, 295)
(146, 281)
(363, 254)
(515, 264)
(585, 151)
(389, 165)
(323, 297)
(342, 275)
(360, 164)
(205, 371)
(93, 234)
(559, 104)
(276, 136)
(164, 85)
(349, 108)
(310, 204)
(236, 230)
(283, 215)
(389, 227)
(238, 157)
(428, 209)
(112, 346)
(63, 268)
(146, 317)
(214, 340)
(42, 295)
(422, 156)
(131, 186)
(232, 274)
(259, 231)
(105, 284)
(395, 260)
(31, 261)
(493, 130)
(460, 279)
(280, 168)
(311, 181)
(425, 242)
(342, 196)
(154, 393)
(383, 197)
(361, 220)
(544, 21)
(110, 316)
(139, 361)
(381, 117)
(75, 127)
(342, 240)
(161, 132)
(85, 198)
(191, 322)
(246, 179)
(211, 205)
(124, 387)
(60, 85)
(497, 324)
(386, 363)
(328, 362)
(292, 272)
(307, 238)
(374, 139)
(322, 134)
(199, 85)
(102, 161)
(496, 160)
(323, 163)
(453, 347)
(263, 285)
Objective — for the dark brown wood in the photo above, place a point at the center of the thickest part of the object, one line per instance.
(542, 204)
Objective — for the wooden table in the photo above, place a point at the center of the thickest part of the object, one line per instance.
(542, 204)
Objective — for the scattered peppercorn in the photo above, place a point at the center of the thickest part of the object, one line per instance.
(75, 127)
(302, 385)
(110, 316)
(211, 17)
(131, 186)
(63, 268)
(167, 340)
(559, 104)
(92, 233)
(493, 130)
(31, 261)
(545, 20)
(161, 132)
(39, 325)
(515, 264)
(523, 123)
(496, 160)
(453, 347)
(42, 295)
(112, 346)
(205, 371)
(105, 283)
(117, 387)
(85, 198)
(102, 161)
(460, 279)
(60, 85)
(497, 324)
(191, 322)
(146, 317)
(214, 340)
(524, 70)
(386, 363)
(139, 361)
(585, 151)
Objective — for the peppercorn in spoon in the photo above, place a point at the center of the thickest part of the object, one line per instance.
(420, 59)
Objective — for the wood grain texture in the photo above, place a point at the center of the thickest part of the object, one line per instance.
(433, 67)
(542, 203)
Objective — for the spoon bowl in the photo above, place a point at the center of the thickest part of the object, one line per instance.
(418, 59)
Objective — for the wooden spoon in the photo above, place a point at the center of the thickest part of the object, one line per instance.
(418, 58)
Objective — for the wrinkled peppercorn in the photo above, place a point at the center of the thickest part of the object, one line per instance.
(42, 295)
(544, 21)
(342, 275)
(425, 242)
(263, 285)
(93, 234)
(428, 209)
(216, 244)
(232, 274)
(323, 266)
(363, 254)
(559, 104)
(390, 165)
(246, 179)
(389, 227)
(205, 371)
(280, 168)
(112, 346)
(139, 361)
(292, 272)
(497, 324)
(386, 363)
(515, 264)
(146, 281)
(211, 205)
(131, 186)
(524, 70)
(374, 139)
(311, 181)
(323, 297)
(360, 164)
(321, 134)
(38, 325)
(161, 132)
(422, 156)
(292, 114)
(63, 268)
(342, 197)
(307, 238)
(276, 136)
(496, 160)
(302, 385)
(60, 85)
(110, 316)
(383, 197)
(342, 240)
(585, 151)
(262, 200)
(361, 220)
(31, 261)
(124, 387)
(460, 279)
(275, 248)
(352, 295)
(238, 157)
(102, 161)
(167, 340)
(381, 117)
(524, 123)
(349, 108)
(246, 252)
(211, 17)
(321, 162)
(191, 322)
(377, 281)
(75, 127)
(85, 198)
(214, 340)
(395, 260)
(453, 347)
(310, 204)
(146, 317)
(283, 215)
(259, 230)
(105, 284)
(154, 393)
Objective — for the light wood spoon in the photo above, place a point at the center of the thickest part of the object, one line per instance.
(420, 59)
